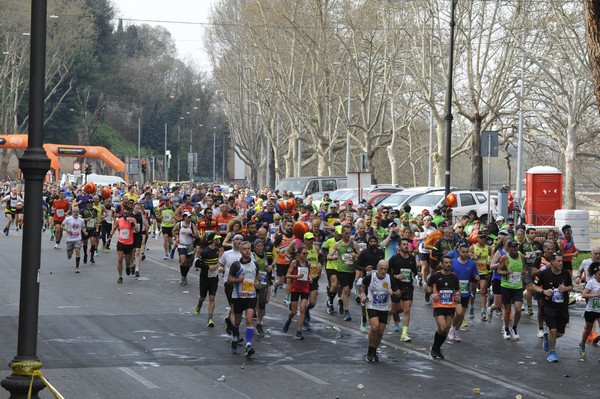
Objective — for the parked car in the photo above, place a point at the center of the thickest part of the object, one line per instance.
(304, 186)
(399, 199)
(466, 200)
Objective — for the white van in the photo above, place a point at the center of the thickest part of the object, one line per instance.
(104, 180)
(302, 187)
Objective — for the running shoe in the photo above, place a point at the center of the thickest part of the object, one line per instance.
(340, 306)
(183, 281)
(363, 328)
(259, 329)
(165, 257)
(540, 333)
(529, 310)
(375, 357)
(464, 325)
(143, 256)
(76, 270)
(197, 311)
(299, 336)
(286, 301)
(306, 326)
(420, 280)
(581, 351)
(406, 338)
(85, 258)
(120, 280)
(172, 253)
(514, 334)
(456, 337)
(450, 336)
(552, 357)
(427, 297)
(490, 314)
(483, 315)
(471, 312)
(546, 344)
(55, 246)
(249, 351)
(127, 269)
(330, 308)
(506, 334)
(396, 327)
(275, 288)
(210, 323)
(370, 358)
(347, 316)
(286, 326)
(137, 273)
(436, 354)
(92, 260)
(234, 347)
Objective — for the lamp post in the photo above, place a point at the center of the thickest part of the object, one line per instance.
(349, 120)
(214, 153)
(449, 116)
(166, 156)
(34, 163)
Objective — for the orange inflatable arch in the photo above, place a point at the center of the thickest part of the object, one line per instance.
(54, 151)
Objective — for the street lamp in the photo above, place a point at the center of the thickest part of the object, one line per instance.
(214, 153)
(34, 163)
(449, 116)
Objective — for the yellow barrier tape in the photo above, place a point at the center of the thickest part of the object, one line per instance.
(32, 368)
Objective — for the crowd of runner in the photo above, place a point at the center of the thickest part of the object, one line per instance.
(261, 245)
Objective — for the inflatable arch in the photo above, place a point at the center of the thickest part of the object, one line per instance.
(54, 151)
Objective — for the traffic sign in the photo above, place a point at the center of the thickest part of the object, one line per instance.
(76, 166)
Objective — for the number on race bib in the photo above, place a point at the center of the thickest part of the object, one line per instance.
(464, 286)
(446, 297)
(247, 289)
(557, 296)
(380, 299)
(596, 303)
(514, 278)
(262, 277)
(60, 213)
(124, 234)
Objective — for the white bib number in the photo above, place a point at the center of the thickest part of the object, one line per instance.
(304, 271)
(514, 278)
(60, 213)
(124, 234)
(262, 277)
(557, 296)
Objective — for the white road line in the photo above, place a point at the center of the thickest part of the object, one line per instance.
(138, 378)
(236, 391)
(305, 375)
(475, 373)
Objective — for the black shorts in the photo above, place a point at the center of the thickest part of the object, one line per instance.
(90, 234)
(346, 279)
(228, 292)
(296, 296)
(167, 231)
(208, 285)
(485, 276)
(568, 265)
(282, 269)
(555, 318)
(382, 315)
(261, 295)
(591, 317)
(126, 249)
(183, 252)
(496, 287)
(464, 301)
(406, 293)
(242, 304)
(314, 285)
(424, 257)
(57, 222)
(433, 264)
(137, 240)
(511, 295)
(444, 312)
(329, 273)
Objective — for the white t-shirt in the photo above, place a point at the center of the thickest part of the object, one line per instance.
(425, 233)
(593, 304)
(228, 258)
(74, 227)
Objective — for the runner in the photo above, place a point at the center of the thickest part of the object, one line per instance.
(126, 225)
(403, 267)
(74, 226)
(532, 251)
(511, 269)
(282, 242)
(108, 215)
(466, 271)
(375, 292)
(185, 233)
(569, 251)
(209, 275)
(591, 293)
(12, 201)
(243, 276)
(554, 284)
(167, 222)
(482, 254)
(331, 269)
(90, 216)
(300, 276)
(138, 238)
(313, 259)
(225, 262)
(60, 207)
(264, 265)
(366, 263)
(346, 252)
(444, 288)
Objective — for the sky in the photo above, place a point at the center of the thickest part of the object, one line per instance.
(187, 36)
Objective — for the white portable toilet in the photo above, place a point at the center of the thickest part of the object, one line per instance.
(579, 221)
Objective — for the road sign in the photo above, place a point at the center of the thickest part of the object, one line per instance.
(76, 166)
(489, 143)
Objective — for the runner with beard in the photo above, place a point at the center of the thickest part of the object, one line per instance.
(402, 268)
(282, 242)
(366, 263)
(209, 275)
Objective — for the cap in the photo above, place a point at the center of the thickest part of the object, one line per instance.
(427, 217)
(211, 236)
(513, 244)
(308, 236)
(482, 234)
(186, 214)
(333, 205)
(425, 212)
(503, 232)
(338, 229)
(276, 216)
(241, 237)
(349, 202)
(499, 218)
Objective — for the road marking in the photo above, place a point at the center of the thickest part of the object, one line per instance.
(475, 373)
(304, 374)
(236, 391)
(138, 378)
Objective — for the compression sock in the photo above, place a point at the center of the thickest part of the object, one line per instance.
(249, 335)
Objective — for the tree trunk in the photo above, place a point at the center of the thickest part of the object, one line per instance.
(438, 156)
(476, 159)
(592, 24)
(569, 201)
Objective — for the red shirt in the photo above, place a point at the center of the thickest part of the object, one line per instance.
(302, 284)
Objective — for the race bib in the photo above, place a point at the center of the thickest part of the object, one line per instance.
(347, 259)
(90, 224)
(557, 296)
(223, 228)
(124, 234)
(407, 273)
(60, 213)
(189, 249)
(380, 299)
(596, 303)
(247, 289)
(530, 256)
(464, 286)
(262, 276)
(213, 273)
(14, 203)
(362, 246)
(514, 278)
(446, 297)
(304, 271)
(167, 217)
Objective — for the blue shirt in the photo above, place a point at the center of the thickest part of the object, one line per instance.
(466, 273)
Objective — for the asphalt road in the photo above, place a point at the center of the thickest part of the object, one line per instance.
(99, 339)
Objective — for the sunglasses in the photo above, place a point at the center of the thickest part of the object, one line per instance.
(304, 253)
